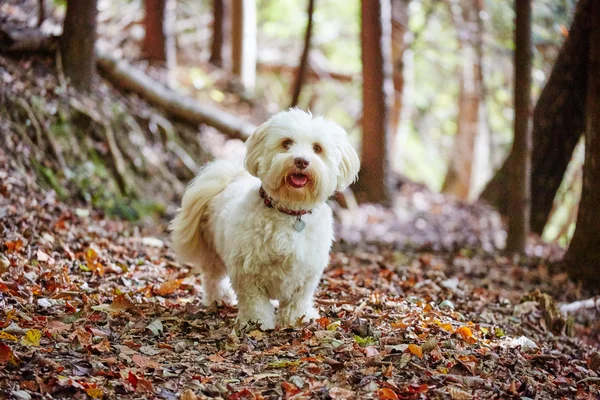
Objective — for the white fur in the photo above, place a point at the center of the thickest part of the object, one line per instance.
(225, 229)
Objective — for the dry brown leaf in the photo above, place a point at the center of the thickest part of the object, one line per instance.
(188, 395)
(416, 350)
(386, 394)
(459, 394)
(144, 362)
(168, 287)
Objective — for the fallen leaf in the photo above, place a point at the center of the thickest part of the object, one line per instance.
(102, 347)
(459, 394)
(131, 378)
(156, 327)
(7, 355)
(120, 303)
(45, 258)
(8, 336)
(144, 386)
(342, 394)
(95, 392)
(256, 334)
(467, 334)
(144, 362)
(31, 338)
(188, 395)
(416, 350)
(386, 394)
(21, 395)
(168, 287)
(289, 389)
(371, 351)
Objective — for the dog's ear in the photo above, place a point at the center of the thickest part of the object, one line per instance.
(349, 164)
(254, 148)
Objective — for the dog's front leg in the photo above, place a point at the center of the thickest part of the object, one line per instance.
(299, 304)
(253, 304)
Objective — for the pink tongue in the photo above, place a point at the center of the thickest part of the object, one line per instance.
(298, 180)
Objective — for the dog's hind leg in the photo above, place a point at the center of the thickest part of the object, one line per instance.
(215, 282)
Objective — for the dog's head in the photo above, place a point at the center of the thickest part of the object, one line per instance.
(300, 159)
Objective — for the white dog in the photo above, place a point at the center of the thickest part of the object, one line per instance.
(267, 230)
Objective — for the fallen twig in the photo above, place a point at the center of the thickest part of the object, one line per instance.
(581, 304)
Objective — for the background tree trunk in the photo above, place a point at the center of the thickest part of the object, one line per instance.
(159, 43)
(399, 30)
(377, 87)
(558, 122)
(470, 35)
(243, 42)
(301, 72)
(583, 257)
(519, 203)
(216, 47)
(77, 43)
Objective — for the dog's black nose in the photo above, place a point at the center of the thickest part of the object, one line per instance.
(301, 163)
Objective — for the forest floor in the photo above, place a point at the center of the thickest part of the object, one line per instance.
(97, 307)
(417, 301)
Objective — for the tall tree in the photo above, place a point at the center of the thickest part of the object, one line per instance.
(558, 122)
(375, 39)
(399, 45)
(583, 257)
(243, 42)
(519, 205)
(77, 43)
(218, 37)
(301, 72)
(466, 17)
(159, 43)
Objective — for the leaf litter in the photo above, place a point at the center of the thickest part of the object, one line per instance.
(100, 310)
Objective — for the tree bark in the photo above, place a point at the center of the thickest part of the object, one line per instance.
(41, 12)
(302, 67)
(216, 47)
(583, 257)
(159, 43)
(77, 43)
(460, 170)
(243, 42)
(558, 122)
(519, 203)
(375, 35)
(399, 30)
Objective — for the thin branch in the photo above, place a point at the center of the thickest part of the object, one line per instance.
(304, 58)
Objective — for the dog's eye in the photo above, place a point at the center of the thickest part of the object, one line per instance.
(317, 148)
(287, 143)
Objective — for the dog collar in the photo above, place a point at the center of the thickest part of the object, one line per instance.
(299, 224)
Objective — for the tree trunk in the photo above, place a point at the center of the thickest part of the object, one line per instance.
(558, 122)
(375, 35)
(243, 42)
(77, 43)
(399, 30)
(159, 43)
(459, 176)
(299, 81)
(583, 257)
(216, 47)
(519, 202)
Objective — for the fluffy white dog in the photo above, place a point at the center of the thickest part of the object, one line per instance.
(267, 231)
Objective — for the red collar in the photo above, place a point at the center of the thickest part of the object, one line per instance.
(269, 203)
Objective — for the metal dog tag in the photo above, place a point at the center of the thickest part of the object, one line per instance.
(299, 225)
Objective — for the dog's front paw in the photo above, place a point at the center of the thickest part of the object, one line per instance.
(291, 315)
